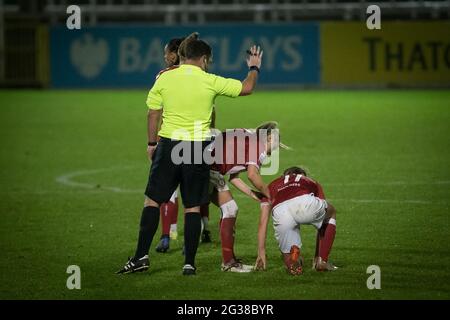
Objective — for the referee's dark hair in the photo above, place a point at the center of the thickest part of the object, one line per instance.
(182, 48)
(195, 49)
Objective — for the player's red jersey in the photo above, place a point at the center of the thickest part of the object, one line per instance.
(291, 186)
(165, 70)
(236, 149)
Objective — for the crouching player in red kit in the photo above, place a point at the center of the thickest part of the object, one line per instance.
(241, 150)
(297, 200)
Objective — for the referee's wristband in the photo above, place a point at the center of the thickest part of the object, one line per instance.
(152, 144)
(253, 68)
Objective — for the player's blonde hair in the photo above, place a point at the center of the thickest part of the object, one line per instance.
(295, 170)
(269, 126)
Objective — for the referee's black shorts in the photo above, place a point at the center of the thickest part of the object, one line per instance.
(192, 176)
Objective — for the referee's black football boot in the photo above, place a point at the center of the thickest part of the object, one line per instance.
(163, 244)
(189, 270)
(135, 265)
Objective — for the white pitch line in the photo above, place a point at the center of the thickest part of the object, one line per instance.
(386, 201)
(240, 195)
(386, 183)
(68, 180)
(236, 195)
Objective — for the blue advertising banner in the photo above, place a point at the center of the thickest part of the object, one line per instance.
(131, 56)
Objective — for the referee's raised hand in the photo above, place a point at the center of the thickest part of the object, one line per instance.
(254, 57)
(254, 64)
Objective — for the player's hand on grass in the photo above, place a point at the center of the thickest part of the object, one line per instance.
(255, 57)
(150, 152)
(261, 262)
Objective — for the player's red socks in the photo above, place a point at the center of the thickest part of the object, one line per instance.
(326, 233)
(169, 213)
(174, 212)
(165, 218)
(227, 238)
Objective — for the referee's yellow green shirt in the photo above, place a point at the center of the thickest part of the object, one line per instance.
(186, 94)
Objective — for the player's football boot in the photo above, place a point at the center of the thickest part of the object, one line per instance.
(295, 269)
(135, 265)
(322, 265)
(314, 262)
(295, 266)
(173, 235)
(163, 244)
(245, 266)
(189, 270)
(206, 236)
(236, 266)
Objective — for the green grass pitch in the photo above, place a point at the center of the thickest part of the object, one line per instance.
(73, 170)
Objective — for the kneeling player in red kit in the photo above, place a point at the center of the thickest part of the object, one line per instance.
(297, 200)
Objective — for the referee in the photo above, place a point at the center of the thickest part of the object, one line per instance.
(183, 96)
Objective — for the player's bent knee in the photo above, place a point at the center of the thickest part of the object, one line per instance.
(229, 209)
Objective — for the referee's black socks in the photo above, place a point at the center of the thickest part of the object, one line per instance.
(192, 230)
(149, 225)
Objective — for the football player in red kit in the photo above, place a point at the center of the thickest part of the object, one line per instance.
(240, 150)
(297, 200)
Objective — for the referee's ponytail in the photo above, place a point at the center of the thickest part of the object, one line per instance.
(182, 47)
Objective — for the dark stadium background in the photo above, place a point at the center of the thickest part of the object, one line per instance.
(306, 41)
